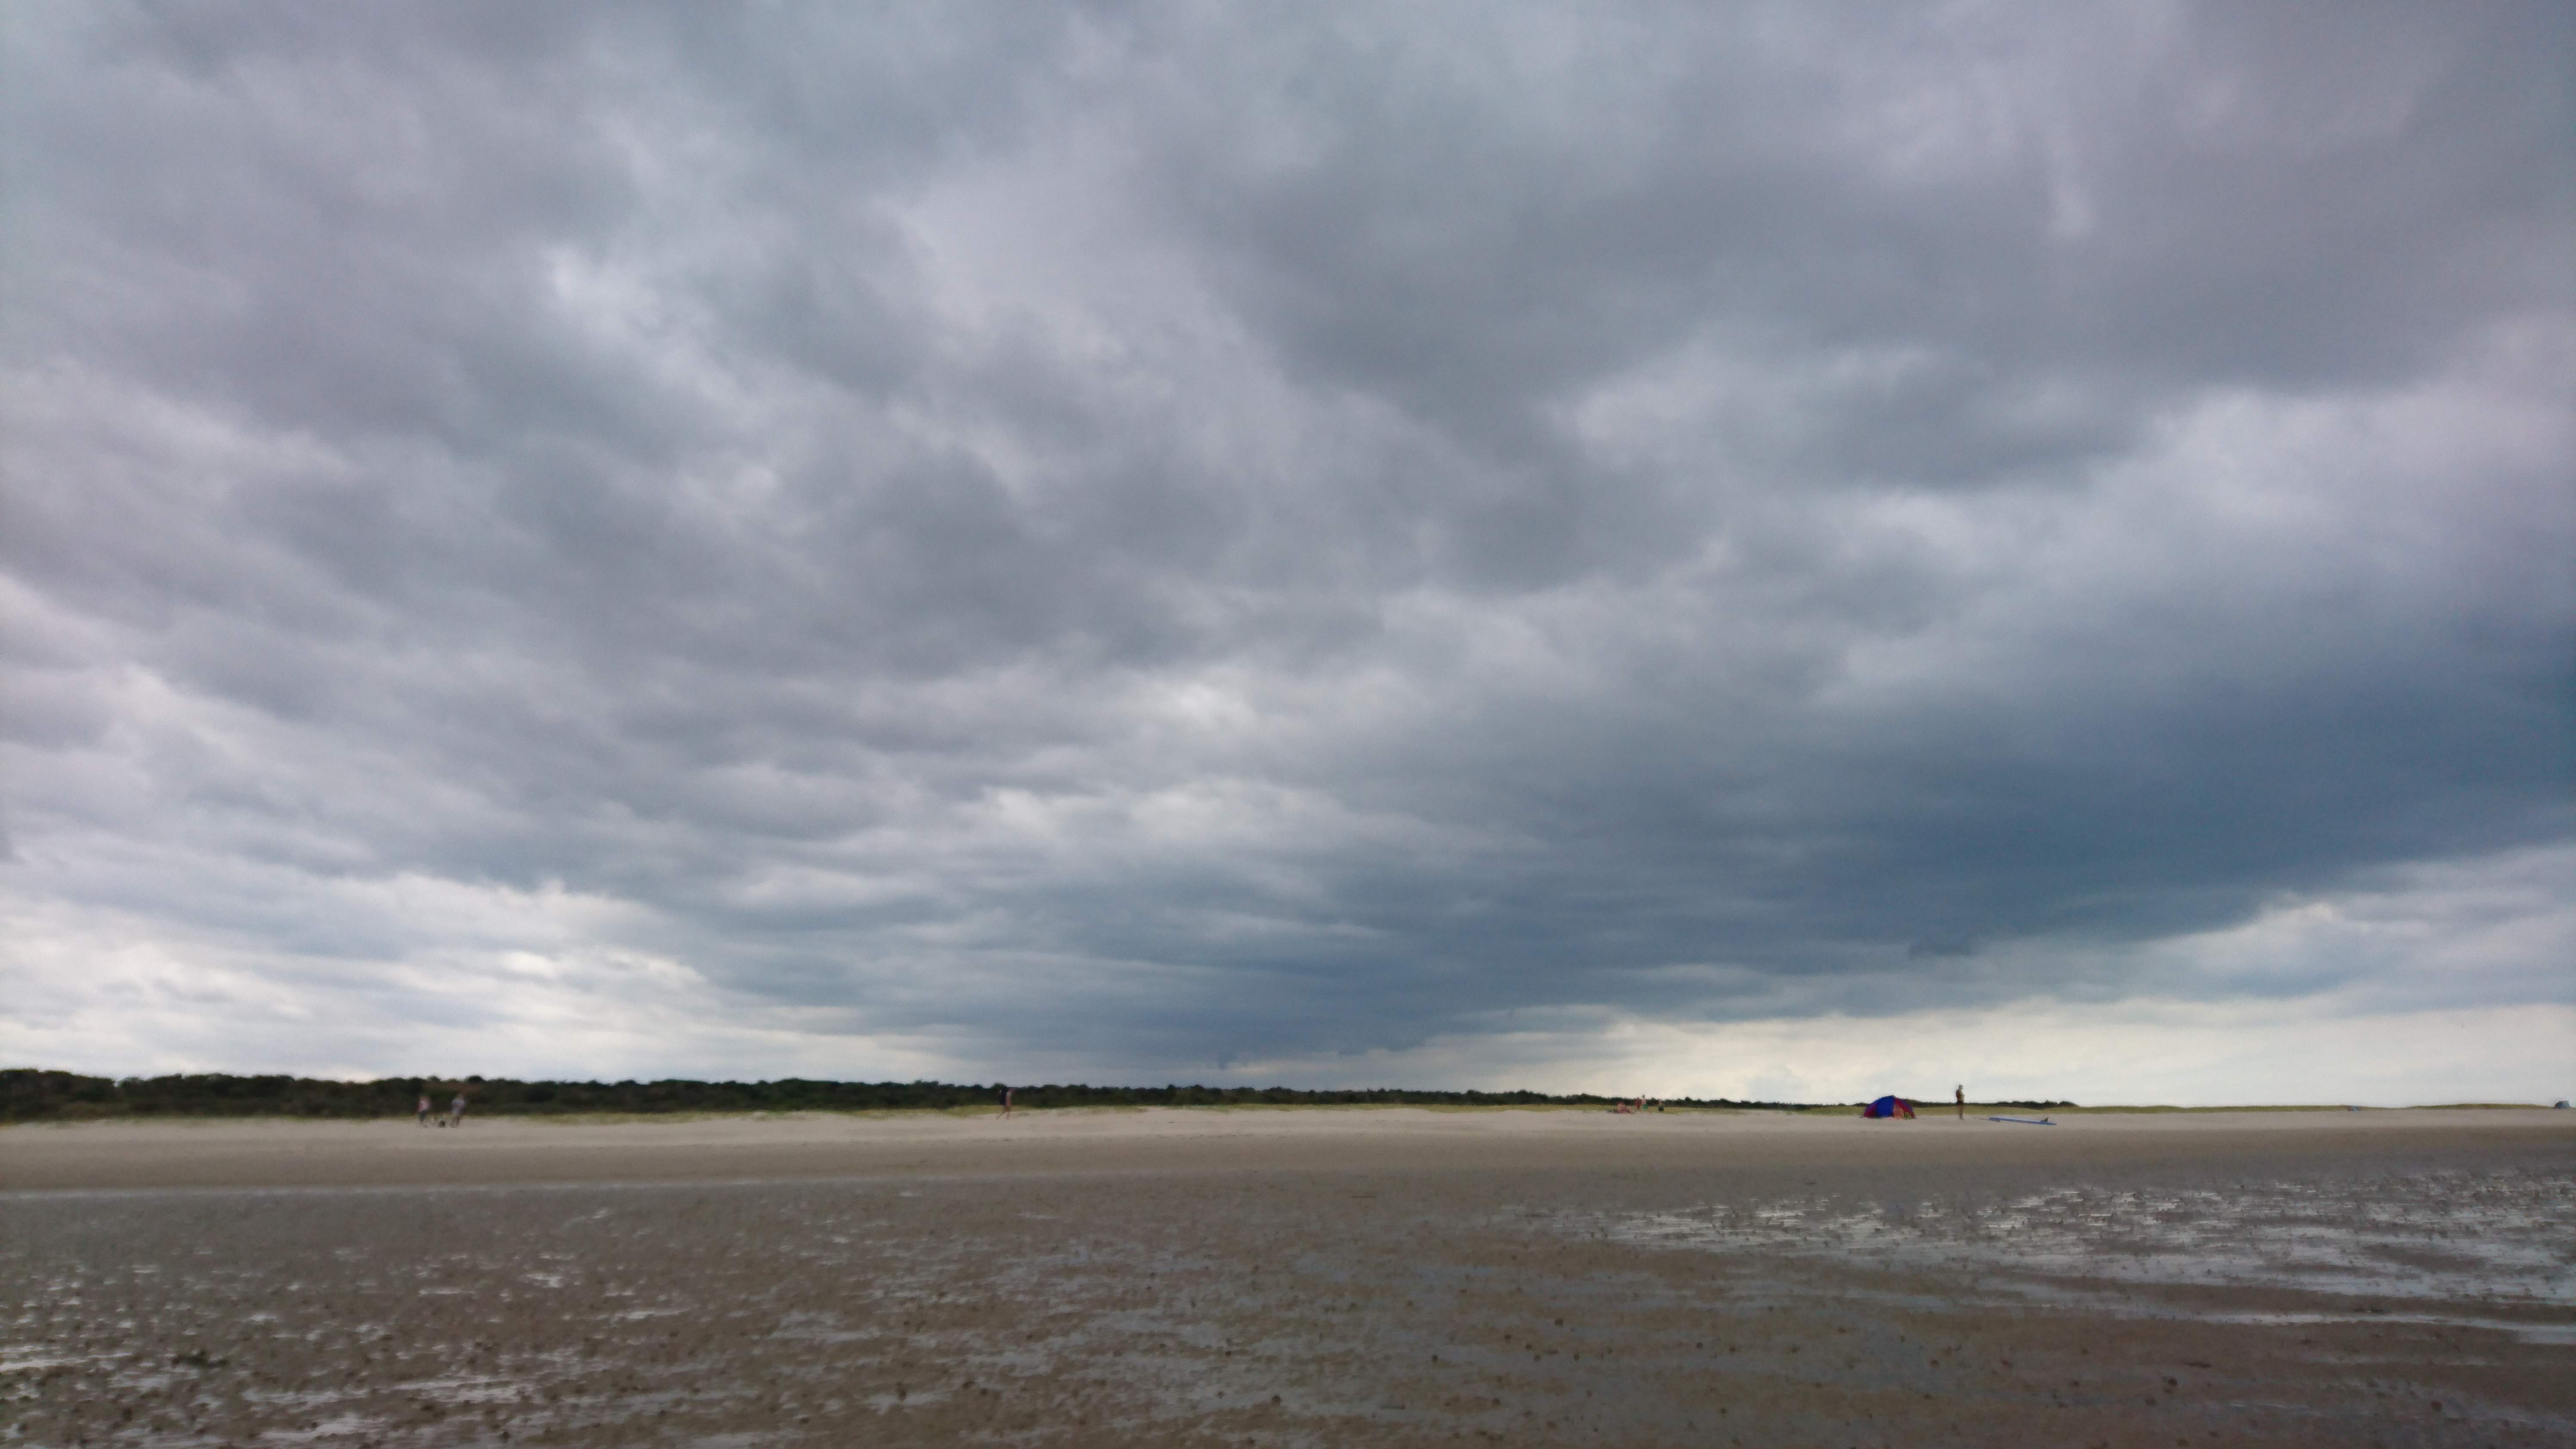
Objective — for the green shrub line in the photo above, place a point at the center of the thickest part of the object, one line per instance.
(33, 1095)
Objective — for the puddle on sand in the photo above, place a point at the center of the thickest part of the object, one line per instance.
(2445, 1245)
(2561, 1334)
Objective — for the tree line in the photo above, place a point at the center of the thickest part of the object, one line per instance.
(30, 1094)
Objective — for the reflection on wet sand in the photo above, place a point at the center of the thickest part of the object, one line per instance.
(2483, 1249)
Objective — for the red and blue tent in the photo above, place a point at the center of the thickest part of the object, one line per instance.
(1888, 1107)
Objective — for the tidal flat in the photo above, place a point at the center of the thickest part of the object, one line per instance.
(1321, 1279)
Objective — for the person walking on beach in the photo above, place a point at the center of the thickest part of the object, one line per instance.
(1006, 1101)
(1960, 1092)
(456, 1111)
(424, 1109)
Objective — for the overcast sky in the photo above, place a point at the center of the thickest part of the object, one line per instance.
(1790, 550)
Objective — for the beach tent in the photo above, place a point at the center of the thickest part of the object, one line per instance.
(1888, 1107)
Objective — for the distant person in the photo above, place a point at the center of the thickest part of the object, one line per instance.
(1006, 1101)
(456, 1111)
(424, 1109)
(1960, 1092)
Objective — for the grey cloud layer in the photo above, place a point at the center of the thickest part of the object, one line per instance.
(1240, 532)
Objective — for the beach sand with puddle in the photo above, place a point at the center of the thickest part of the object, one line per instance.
(1298, 1277)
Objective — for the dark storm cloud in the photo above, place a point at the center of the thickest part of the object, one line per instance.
(1267, 532)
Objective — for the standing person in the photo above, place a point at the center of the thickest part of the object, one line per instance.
(1006, 1101)
(456, 1111)
(1960, 1092)
(424, 1109)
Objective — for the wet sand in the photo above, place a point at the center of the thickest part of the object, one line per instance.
(1295, 1277)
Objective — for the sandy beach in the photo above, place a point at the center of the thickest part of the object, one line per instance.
(281, 1153)
(1313, 1277)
